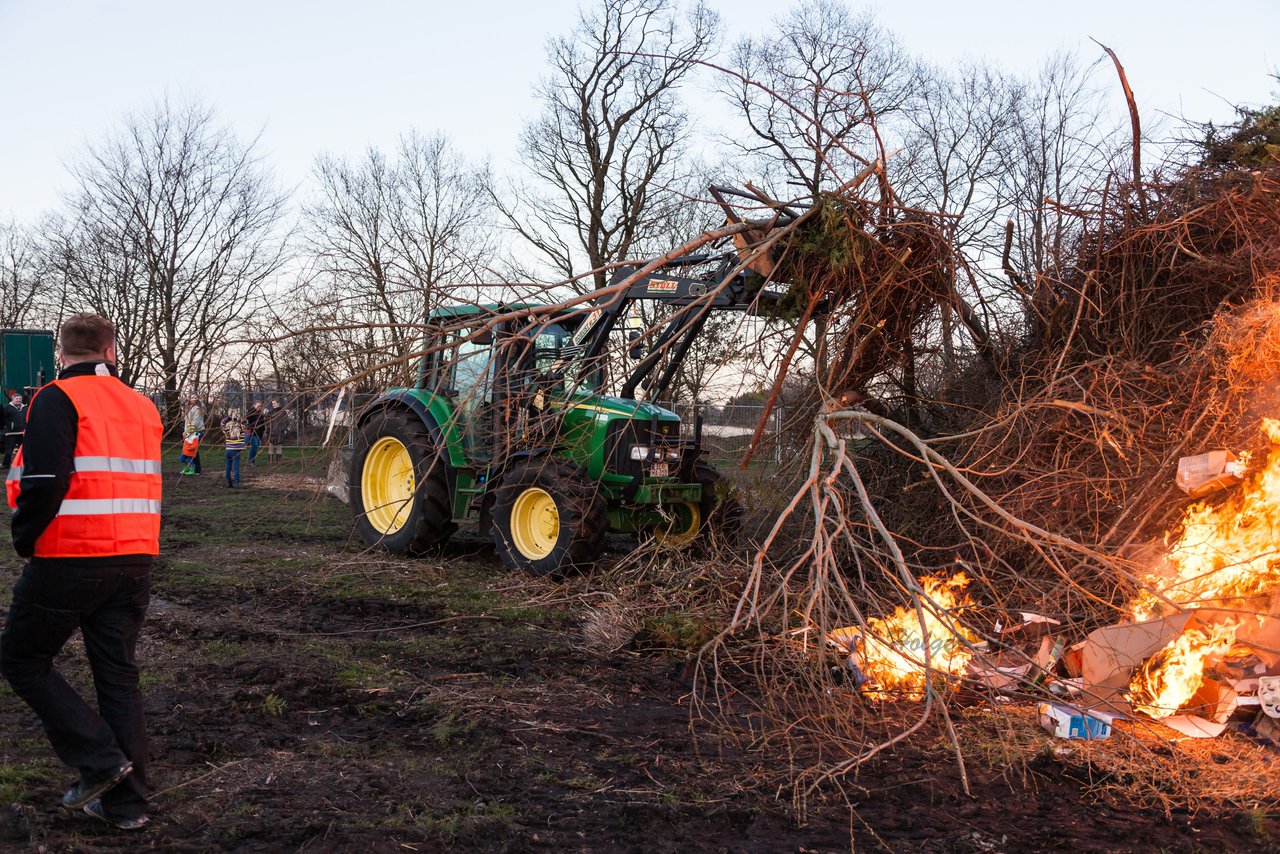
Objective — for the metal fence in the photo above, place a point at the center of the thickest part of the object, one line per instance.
(727, 430)
(312, 419)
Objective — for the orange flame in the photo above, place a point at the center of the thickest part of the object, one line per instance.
(895, 648)
(1226, 552)
(1173, 676)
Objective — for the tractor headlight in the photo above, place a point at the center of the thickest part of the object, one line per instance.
(672, 454)
(639, 452)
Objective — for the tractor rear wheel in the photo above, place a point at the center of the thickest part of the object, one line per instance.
(547, 519)
(399, 485)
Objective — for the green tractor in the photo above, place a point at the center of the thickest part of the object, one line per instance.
(508, 423)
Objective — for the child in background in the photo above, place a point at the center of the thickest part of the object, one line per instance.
(235, 434)
(190, 447)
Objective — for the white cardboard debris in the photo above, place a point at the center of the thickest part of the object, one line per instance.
(1109, 655)
(1205, 473)
(1194, 726)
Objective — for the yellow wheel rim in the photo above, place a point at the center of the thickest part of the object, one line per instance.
(535, 523)
(387, 485)
(681, 531)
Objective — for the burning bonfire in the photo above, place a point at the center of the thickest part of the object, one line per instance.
(898, 652)
(1205, 630)
(1224, 564)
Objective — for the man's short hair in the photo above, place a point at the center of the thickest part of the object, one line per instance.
(86, 334)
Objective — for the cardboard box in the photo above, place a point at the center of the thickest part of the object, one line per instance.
(1070, 722)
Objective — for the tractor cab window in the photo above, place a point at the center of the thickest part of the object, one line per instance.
(469, 377)
(553, 350)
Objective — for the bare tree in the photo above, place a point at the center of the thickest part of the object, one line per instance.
(811, 93)
(171, 232)
(350, 243)
(24, 289)
(608, 148)
(389, 240)
(441, 217)
(959, 136)
(1064, 145)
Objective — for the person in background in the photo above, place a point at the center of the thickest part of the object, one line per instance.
(15, 421)
(190, 448)
(256, 420)
(85, 490)
(193, 425)
(276, 422)
(234, 432)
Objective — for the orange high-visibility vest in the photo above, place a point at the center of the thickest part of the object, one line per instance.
(113, 504)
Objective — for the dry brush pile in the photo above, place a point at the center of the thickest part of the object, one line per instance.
(1053, 494)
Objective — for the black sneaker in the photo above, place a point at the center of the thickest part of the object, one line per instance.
(92, 788)
(95, 809)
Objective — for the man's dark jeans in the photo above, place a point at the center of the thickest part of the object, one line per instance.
(108, 604)
(12, 442)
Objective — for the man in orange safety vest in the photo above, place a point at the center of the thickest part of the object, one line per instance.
(85, 490)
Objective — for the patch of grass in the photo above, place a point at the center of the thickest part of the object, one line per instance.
(151, 677)
(1255, 823)
(16, 779)
(450, 728)
(222, 651)
(366, 674)
(467, 817)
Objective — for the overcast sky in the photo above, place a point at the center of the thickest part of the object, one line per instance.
(338, 75)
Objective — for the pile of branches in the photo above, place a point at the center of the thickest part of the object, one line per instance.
(1162, 339)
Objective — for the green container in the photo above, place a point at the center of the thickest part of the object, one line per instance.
(26, 360)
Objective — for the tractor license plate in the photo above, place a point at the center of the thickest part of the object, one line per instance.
(660, 470)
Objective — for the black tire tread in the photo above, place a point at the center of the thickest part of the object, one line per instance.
(432, 516)
(721, 514)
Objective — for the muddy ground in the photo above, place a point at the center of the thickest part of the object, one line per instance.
(304, 694)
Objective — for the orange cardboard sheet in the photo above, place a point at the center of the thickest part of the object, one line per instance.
(1206, 712)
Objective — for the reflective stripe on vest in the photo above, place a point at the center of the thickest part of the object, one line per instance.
(117, 464)
(107, 506)
(112, 505)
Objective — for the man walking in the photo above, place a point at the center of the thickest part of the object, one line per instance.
(85, 489)
(256, 420)
(15, 420)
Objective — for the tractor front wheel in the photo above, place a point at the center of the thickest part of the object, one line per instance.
(399, 485)
(547, 519)
(716, 517)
